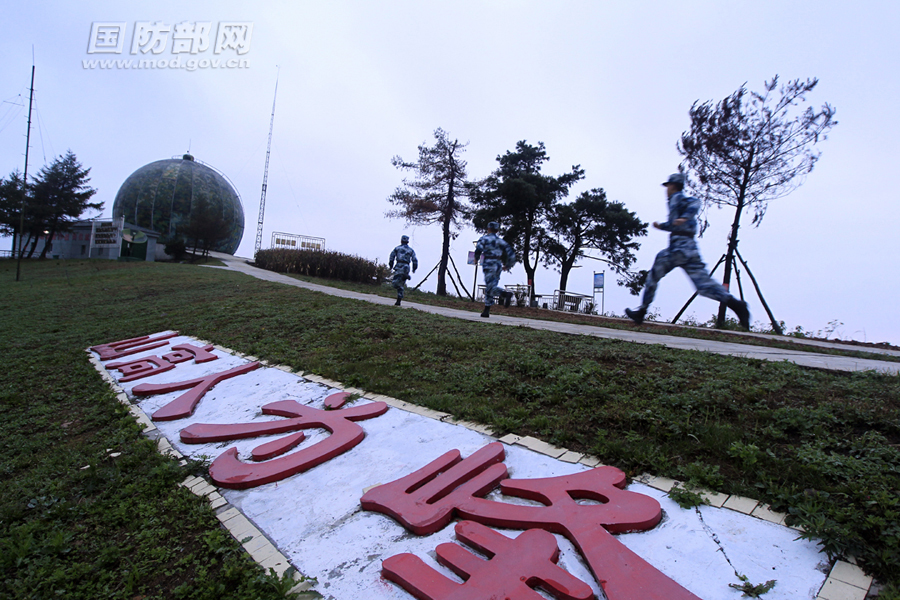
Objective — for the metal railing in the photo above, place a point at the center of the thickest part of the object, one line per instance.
(570, 302)
(521, 292)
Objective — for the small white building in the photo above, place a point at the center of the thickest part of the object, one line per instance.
(102, 239)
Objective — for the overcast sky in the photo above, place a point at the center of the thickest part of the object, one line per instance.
(606, 85)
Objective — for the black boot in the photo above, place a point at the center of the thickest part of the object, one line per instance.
(740, 309)
(397, 303)
(486, 312)
(636, 315)
(507, 298)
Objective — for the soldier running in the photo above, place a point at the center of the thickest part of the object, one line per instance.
(498, 255)
(682, 252)
(404, 255)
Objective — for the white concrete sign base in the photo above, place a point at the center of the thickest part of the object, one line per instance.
(315, 518)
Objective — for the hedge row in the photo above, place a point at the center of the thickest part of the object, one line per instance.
(322, 263)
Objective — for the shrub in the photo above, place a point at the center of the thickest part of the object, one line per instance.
(322, 263)
(176, 248)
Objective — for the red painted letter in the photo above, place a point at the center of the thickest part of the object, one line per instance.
(513, 569)
(228, 471)
(184, 405)
(427, 500)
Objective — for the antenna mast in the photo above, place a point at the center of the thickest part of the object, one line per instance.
(262, 198)
(25, 176)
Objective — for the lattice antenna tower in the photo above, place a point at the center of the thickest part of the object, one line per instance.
(262, 198)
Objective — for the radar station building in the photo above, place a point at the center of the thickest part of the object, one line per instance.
(161, 196)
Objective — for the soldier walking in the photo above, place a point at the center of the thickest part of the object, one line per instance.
(682, 252)
(403, 255)
(498, 255)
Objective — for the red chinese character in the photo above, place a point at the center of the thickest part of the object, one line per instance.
(132, 346)
(438, 488)
(228, 471)
(138, 369)
(185, 352)
(184, 405)
(145, 367)
(426, 501)
(513, 569)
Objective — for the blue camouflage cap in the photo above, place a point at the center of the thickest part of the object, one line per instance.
(404, 239)
(494, 225)
(676, 178)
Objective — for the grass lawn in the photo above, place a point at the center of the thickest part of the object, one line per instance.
(823, 446)
(686, 328)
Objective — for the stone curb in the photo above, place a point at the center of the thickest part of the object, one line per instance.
(254, 542)
(845, 581)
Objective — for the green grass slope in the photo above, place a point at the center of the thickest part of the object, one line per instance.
(821, 446)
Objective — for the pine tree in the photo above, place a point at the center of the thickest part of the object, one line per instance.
(437, 194)
(60, 196)
(592, 222)
(752, 148)
(521, 198)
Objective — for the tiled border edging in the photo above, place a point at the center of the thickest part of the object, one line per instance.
(846, 581)
(254, 542)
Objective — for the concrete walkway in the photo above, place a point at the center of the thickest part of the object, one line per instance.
(806, 359)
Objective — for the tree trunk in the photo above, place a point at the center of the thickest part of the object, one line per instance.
(729, 260)
(529, 268)
(733, 239)
(47, 244)
(747, 167)
(529, 273)
(442, 267)
(526, 251)
(24, 242)
(50, 235)
(565, 267)
(445, 246)
(34, 243)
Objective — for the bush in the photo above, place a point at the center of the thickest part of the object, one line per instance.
(176, 248)
(322, 263)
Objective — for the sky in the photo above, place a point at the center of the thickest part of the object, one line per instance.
(606, 85)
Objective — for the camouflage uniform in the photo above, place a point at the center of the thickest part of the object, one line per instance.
(403, 255)
(497, 255)
(682, 252)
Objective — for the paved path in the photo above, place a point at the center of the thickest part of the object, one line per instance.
(806, 359)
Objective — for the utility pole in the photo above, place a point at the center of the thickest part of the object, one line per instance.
(262, 198)
(25, 177)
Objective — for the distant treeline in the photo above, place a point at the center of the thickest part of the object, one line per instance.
(322, 263)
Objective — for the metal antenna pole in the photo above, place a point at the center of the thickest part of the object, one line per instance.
(262, 198)
(25, 178)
